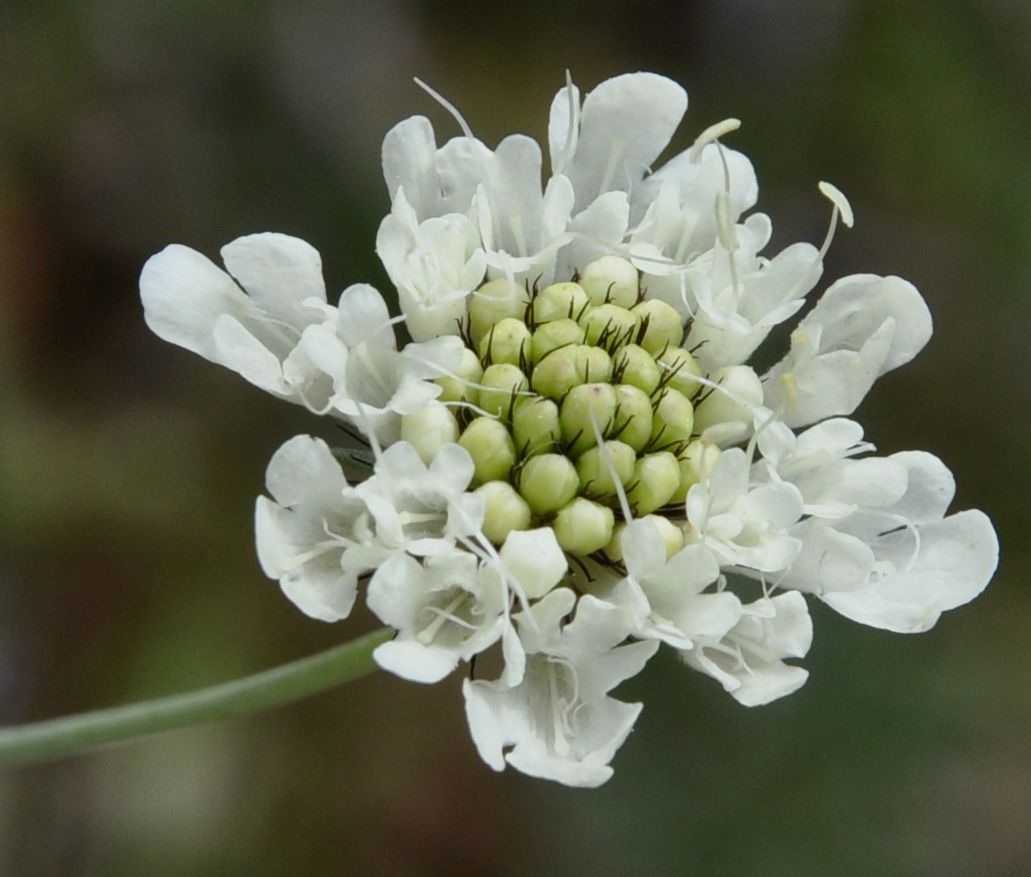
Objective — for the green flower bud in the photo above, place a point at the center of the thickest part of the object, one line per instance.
(504, 510)
(609, 326)
(596, 474)
(559, 301)
(547, 482)
(663, 326)
(491, 448)
(494, 301)
(535, 426)
(556, 373)
(610, 279)
(655, 480)
(552, 335)
(500, 384)
(719, 416)
(458, 388)
(429, 428)
(507, 341)
(632, 423)
(635, 366)
(593, 364)
(696, 462)
(679, 368)
(672, 537)
(566, 367)
(583, 527)
(672, 419)
(580, 404)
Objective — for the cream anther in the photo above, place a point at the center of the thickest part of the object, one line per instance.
(710, 135)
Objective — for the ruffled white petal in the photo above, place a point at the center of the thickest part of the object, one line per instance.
(184, 293)
(748, 661)
(954, 563)
(862, 327)
(624, 124)
(558, 720)
(280, 273)
(302, 537)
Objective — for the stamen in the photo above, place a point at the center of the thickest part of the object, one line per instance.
(426, 635)
(447, 105)
(570, 127)
(914, 530)
(841, 208)
(711, 135)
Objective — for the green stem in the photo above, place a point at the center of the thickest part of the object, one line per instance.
(41, 741)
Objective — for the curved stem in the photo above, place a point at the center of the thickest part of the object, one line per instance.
(54, 738)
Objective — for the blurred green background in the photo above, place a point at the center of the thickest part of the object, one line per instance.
(128, 468)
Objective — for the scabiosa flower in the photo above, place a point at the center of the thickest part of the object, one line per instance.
(573, 462)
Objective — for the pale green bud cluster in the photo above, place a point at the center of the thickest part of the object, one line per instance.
(576, 399)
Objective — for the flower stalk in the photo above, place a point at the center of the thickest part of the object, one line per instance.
(56, 738)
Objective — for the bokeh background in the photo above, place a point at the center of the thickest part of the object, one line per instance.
(128, 468)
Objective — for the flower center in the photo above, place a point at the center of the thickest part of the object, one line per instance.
(577, 400)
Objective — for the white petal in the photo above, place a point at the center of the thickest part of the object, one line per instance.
(408, 151)
(489, 717)
(862, 327)
(302, 469)
(184, 294)
(611, 723)
(364, 317)
(789, 633)
(830, 561)
(956, 560)
(708, 614)
(930, 487)
(395, 591)
(320, 590)
(697, 184)
(237, 349)
(415, 662)
(854, 307)
(644, 552)
(279, 273)
(692, 568)
(513, 187)
(769, 682)
(624, 124)
(598, 230)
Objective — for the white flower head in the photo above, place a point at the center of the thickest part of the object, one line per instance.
(575, 460)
